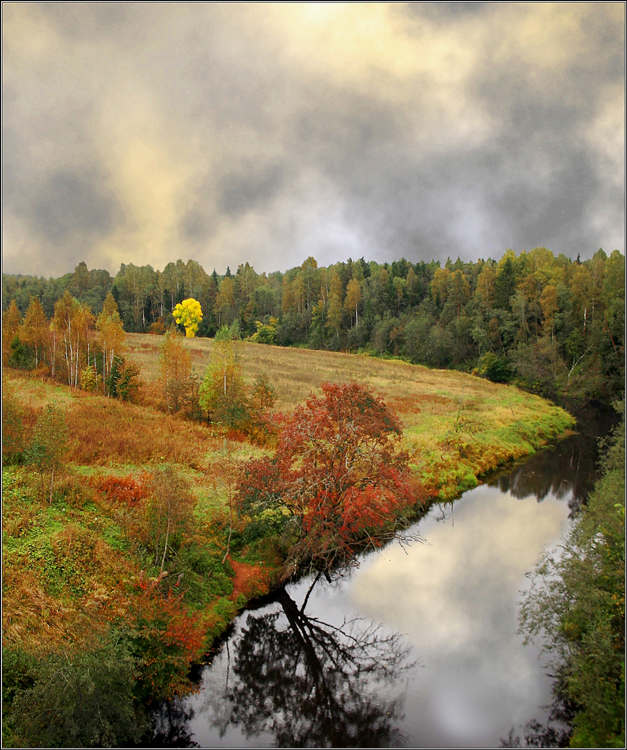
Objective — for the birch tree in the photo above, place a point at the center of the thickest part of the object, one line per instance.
(169, 514)
(35, 329)
(175, 369)
(48, 447)
(353, 298)
(223, 392)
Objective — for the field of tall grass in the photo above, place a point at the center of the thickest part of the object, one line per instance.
(457, 427)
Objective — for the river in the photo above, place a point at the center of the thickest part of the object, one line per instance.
(416, 647)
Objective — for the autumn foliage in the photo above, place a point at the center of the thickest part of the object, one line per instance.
(176, 375)
(124, 490)
(188, 313)
(165, 636)
(338, 479)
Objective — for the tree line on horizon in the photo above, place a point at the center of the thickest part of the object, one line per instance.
(547, 323)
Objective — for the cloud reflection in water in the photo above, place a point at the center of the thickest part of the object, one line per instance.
(455, 598)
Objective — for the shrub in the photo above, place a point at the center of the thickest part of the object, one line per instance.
(91, 381)
(164, 637)
(217, 579)
(75, 699)
(494, 368)
(124, 490)
(17, 421)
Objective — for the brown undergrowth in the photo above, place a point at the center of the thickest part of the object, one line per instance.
(105, 431)
(250, 581)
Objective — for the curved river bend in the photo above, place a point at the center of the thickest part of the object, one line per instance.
(417, 647)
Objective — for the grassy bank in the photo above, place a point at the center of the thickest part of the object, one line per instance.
(82, 565)
(457, 427)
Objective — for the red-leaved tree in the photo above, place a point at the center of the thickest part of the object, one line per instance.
(337, 483)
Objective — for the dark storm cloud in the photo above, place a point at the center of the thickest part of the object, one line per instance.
(268, 132)
(531, 185)
(195, 225)
(444, 11)
(85, 21)
(545, 176)
(68, 206)
(252, 188)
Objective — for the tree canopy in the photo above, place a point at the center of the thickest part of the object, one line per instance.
(188, 313)
(548, 323)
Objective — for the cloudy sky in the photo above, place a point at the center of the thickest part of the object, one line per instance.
(268, 132)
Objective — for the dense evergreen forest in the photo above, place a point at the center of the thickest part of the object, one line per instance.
(549, 324)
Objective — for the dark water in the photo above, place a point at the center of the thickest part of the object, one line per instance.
(417, 647)
(567, 470)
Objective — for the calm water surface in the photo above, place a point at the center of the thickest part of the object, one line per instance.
(416, 647)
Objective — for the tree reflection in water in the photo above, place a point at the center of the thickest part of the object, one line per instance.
(556, 471)
(170, 726)
(312, 684)
(567, 470)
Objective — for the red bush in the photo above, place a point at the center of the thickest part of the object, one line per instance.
(340, 472)
(124, 490)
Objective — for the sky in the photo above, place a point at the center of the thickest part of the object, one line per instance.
(269, 132)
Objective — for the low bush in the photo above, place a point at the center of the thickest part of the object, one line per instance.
(72, 698)
(124, 490)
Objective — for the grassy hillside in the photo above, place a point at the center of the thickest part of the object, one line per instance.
(457, 426)
(83, 565)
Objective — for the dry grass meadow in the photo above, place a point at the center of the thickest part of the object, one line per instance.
(457, 427)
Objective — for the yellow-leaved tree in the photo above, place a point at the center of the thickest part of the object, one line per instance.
(223, 393)
(112, 336)
(189, 314)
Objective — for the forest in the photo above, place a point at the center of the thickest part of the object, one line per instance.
(549, 324)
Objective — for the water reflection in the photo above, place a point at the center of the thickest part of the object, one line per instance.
(536, 734)
(567, 470)
(573, 462)
(329, 677)
(455, 598)
(288, 679)
(170, 726)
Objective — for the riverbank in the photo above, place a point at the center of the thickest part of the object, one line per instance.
(419, 591)
(84, 565)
